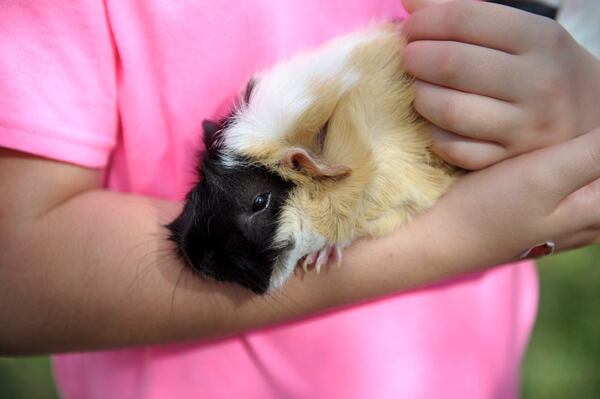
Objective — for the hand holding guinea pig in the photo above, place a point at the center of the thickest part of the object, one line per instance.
(550, 194)
(497, 81)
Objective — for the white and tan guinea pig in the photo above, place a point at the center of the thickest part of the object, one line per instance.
(324, 149)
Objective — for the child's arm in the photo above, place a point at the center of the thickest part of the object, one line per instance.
(497, 81)
(82, 268)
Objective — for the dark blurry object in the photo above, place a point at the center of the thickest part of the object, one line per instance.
(535, 7)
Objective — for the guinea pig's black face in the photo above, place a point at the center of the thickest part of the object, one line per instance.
(226, 230)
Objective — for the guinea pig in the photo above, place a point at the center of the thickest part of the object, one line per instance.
(325, 148)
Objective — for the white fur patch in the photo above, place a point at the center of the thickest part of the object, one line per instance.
(284, 93)
(297, 227)
(229, 161)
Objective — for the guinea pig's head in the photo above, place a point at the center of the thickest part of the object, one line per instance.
(226, 230)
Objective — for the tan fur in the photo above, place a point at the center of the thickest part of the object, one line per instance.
(373, 129)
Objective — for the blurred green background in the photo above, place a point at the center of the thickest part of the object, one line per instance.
(563, 359)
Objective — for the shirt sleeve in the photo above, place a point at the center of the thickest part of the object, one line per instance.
(58, 80)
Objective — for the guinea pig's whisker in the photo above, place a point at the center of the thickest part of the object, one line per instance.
(182, 273)
(279, 299)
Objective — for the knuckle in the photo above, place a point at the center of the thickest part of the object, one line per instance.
(550, 87)
(541, 127)
(449, 66)
(448, 115)
(458, 17)
(556, 36)
(548, 124)
(593, 153)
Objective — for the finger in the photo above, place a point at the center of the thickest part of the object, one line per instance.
(566, 167)
(465, 152)
(471, 115)
(581, 207)
(413, 5)
(477, 22)
(585, 199)
(580, 239)
(467, 68)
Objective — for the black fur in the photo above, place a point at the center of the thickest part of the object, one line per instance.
(218, 233)
(248, 91)
(535, 7)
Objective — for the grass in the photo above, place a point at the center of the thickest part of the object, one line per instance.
(28, 378)
(563, 359)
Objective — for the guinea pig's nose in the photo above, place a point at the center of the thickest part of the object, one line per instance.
(200, 259)
(187, 250)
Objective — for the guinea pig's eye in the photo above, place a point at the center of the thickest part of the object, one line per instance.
(261, 201)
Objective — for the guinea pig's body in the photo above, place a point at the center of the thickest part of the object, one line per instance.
(335, 132)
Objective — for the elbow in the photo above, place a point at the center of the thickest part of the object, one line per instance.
(15, 295)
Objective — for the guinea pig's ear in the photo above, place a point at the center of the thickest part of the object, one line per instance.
(299, 159)
(210, 129)
(248, 90)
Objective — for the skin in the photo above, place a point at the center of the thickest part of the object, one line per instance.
(82, 268)
(112, 281)
(497, 81)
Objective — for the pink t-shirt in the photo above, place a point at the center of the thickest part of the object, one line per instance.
(124, 86)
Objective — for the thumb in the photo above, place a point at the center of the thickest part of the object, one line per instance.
(414, 5)
(571, 165)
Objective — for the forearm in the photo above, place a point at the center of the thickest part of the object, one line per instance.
(97, 271)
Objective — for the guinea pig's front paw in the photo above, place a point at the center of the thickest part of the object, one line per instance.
(321, 257)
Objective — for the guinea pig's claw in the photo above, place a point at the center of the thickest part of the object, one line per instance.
(309, 260)
(322, 258)
(337, 254)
